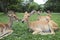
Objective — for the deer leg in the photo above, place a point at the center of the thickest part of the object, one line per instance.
(46, 33)
(52, 31)
(1, 30)
(6, 34)
(37, 31)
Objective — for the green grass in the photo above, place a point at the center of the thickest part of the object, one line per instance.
(21, 30)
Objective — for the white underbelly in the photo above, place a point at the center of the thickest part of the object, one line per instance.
(44, 28)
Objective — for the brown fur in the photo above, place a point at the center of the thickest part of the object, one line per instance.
(5, 27)
(38, 26)
(48, 17)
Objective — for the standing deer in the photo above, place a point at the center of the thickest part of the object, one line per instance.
(5, 28)
(39, 27)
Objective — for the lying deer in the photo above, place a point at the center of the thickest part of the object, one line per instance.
(51, 22)
(5, 28)
(39, 27)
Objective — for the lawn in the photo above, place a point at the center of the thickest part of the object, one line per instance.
(21, 30)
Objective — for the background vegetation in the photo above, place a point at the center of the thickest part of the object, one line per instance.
(53, 5)
(29, 5)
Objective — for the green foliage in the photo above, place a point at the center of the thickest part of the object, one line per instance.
(33, 6)
(18, 5)
(4, 4)
(53, 5)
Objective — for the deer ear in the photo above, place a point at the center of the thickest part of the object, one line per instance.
(49, 15)
(26, 12)
(9, 14)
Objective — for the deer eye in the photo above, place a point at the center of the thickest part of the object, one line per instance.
(46, 19)
(13, 16)
(28, 16)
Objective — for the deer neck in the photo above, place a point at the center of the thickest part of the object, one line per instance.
(10, 23)
(28, 21)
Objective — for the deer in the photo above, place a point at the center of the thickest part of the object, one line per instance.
(51, 22)
(39, 26)
(6, 28)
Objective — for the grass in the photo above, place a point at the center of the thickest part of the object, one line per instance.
(21, 30)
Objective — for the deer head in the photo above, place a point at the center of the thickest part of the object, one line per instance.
(45, 18)
(48, 17)
(25, 18)
(12, 15)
